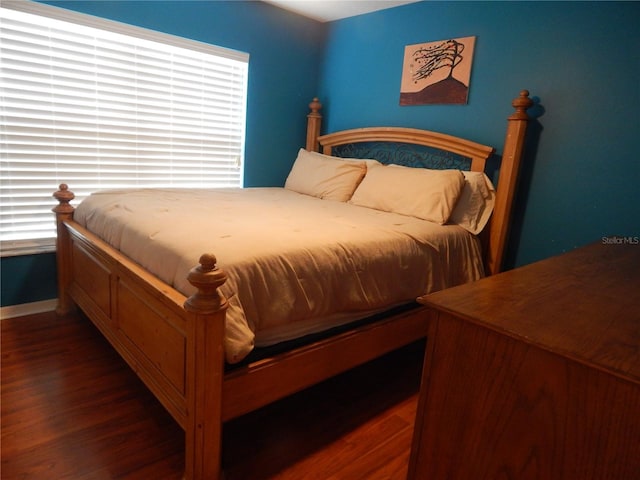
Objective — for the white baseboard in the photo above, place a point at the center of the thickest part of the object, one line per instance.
(13, 311)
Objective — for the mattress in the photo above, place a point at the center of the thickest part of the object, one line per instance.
(295, 264)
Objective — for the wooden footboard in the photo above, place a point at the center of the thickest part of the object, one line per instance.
(173, 343)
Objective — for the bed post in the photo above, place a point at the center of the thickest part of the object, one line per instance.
(205, 371)
(507, 181)
(64, 212)
(314, 120)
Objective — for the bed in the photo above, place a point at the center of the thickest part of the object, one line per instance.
(172, 327)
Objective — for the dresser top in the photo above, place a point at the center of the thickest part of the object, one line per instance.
(584, 304)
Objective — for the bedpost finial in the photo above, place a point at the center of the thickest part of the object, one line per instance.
(207, 278)
(315, 106)
(64, 196)
(208, 262)
(521, 104)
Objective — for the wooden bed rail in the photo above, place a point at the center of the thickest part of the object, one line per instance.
(496, 234)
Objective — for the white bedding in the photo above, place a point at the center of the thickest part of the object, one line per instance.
(295, 264)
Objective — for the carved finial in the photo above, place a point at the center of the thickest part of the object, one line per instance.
(521, 104)
(207, 278)
(64, 196)
(315, 106)
(208, 262)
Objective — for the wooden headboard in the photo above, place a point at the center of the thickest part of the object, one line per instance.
(495, 235)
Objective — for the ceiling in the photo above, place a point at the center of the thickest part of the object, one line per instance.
(329, 10)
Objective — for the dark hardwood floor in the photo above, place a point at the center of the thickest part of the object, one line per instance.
(72, 409)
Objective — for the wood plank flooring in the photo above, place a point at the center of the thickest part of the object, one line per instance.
(72, 409)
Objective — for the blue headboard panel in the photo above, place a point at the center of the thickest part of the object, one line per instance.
(407, 146)
(406, 154)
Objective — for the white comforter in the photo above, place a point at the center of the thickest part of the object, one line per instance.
(295, 264)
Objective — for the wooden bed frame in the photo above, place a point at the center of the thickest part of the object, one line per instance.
(175, 343)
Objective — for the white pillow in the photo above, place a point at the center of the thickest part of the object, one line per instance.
(417, 192)
(323, 176)
(475, 205)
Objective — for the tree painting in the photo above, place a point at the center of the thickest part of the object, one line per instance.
(437, 72)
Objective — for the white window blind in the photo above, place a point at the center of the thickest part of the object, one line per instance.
(98, 104)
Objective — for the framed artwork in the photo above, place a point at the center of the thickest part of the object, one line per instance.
(437, 72)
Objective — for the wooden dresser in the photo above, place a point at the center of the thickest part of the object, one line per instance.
(535, 373)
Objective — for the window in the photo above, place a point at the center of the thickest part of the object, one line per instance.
(98, 104)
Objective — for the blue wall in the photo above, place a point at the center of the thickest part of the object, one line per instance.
(28, 278)
(579, 59)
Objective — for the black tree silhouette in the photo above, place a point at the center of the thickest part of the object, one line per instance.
(447, 54)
